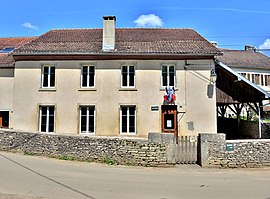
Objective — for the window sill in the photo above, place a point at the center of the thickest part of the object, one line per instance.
(47, 89)
(128, 89)
(87, 89)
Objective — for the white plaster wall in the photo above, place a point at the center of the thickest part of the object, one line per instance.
(108, 96)
(6, 89)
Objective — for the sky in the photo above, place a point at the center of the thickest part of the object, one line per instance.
(231, 23)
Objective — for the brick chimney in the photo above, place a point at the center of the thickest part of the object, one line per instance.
(108, 43)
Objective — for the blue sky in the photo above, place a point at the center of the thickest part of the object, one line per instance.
(231, 23)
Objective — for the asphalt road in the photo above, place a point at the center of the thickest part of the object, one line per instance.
(28, 177)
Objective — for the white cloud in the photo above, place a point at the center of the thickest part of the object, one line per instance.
(29, 25)
(265, 45)
(150, 20)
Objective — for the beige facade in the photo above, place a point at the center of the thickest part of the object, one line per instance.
(6, 99)
(107, 96)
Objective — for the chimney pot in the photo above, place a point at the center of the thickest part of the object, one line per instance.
(250, 48)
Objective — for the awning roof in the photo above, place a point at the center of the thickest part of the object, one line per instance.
(237, 87)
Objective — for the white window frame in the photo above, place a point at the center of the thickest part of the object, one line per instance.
(49, 76)
(87, 132)
(47, 118)
(128, 74)
(88, 76)
(128, 114)
(168, 75)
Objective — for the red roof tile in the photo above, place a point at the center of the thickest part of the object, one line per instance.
(244, 59)
(128, 40)
(6, 59)
(14, 42)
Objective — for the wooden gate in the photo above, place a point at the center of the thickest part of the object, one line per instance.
(187, 150)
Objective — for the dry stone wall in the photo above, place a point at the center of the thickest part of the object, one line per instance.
(216, 151)
(84, 148)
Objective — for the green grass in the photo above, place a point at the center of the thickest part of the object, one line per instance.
(29, 153)
(110, 161)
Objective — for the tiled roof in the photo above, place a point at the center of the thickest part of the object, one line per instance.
(128, 40)
(6, 59)
(244, 59)
(14, 42)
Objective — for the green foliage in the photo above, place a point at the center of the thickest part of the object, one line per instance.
(70, 158)
(110, 161)
(29, 153)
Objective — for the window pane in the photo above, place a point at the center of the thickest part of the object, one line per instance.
(91, 112)
(131, 76)
(91, 80)
(51, 119)
(45, 70)
(91, 123)
(84, 80)
(124, 75)
(45, 76)
(43, 123)
(171, 74)
(51, 123)
(164, 76)
(83, 123)
(124, 124)
(91, 75)
(124, 119)
(132, 119)
(84, 76)
(91, 70)
(52, 80)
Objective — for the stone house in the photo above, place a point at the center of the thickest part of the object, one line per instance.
(113, 82)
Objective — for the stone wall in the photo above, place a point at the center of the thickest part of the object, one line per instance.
(215, 151)
(84, 148)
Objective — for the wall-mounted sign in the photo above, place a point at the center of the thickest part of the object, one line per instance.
(154, 108)
(229, 147)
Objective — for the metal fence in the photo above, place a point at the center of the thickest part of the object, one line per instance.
(187, 150)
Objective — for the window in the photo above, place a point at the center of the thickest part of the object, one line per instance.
(267, 80)
(48, 77)
(168, 75)
(88, 76)
(128, 76)
(87, 119)
(128, 119)
(46, 118)
(6, 50)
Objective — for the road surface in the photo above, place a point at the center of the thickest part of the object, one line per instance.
(31, 177)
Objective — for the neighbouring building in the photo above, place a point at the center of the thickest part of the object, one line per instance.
(7, 65)
(243, 87)
(111, 81)
(251, 64)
